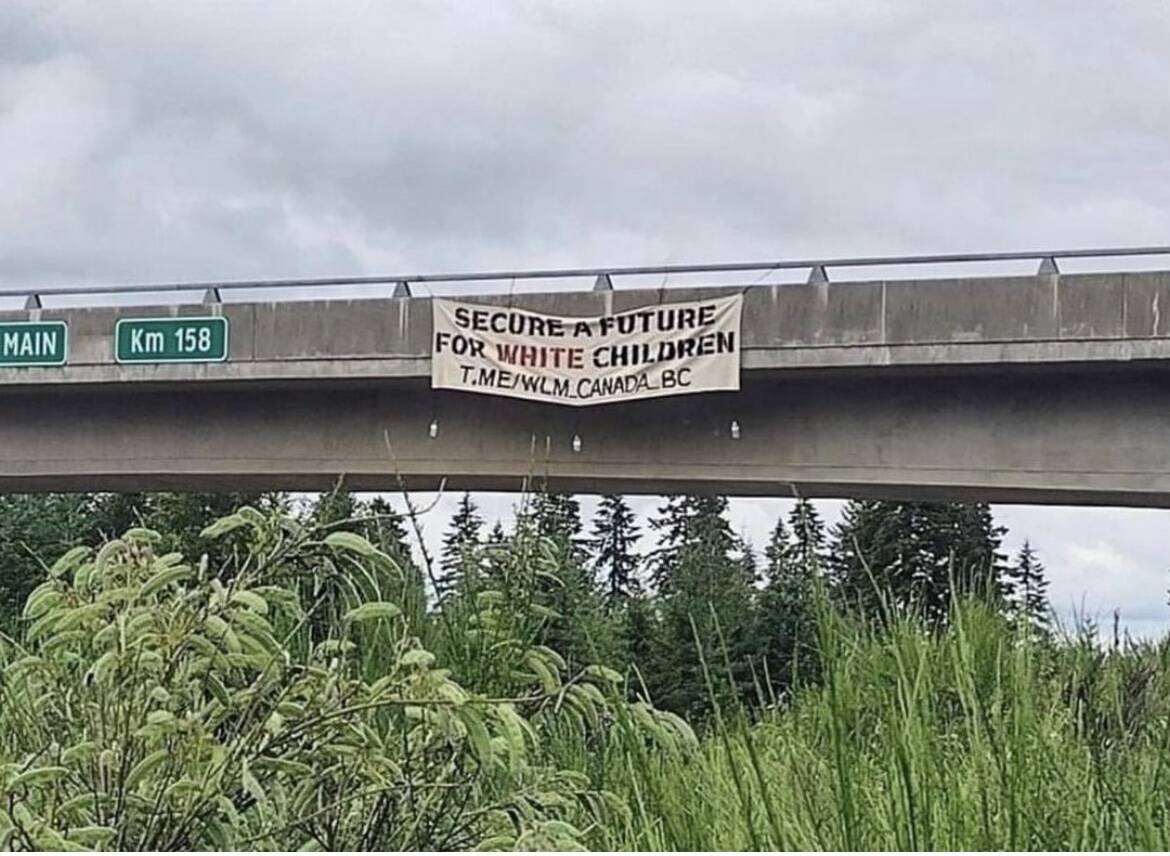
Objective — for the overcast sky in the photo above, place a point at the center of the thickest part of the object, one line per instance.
(174, 141)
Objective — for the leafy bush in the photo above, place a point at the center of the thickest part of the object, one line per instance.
(152, 704)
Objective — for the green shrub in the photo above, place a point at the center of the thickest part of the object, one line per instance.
(151, 704)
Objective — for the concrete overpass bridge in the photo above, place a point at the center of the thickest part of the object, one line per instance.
(1047, 388)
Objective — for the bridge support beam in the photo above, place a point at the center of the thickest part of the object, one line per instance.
(1093, 437)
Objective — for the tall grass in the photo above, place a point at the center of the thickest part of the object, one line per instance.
(975, 737)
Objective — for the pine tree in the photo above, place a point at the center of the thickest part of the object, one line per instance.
(576, 629)
(387, 530)
(459, 556)
(638, 636)
(615, 562)
(808, 534)
(910, 555)
(1029, 588)
(672, 527)
(787, 614)
(557, 514)
(36, 529)
(703, 591)
(749, 564)
(332, 507)
(778, 551)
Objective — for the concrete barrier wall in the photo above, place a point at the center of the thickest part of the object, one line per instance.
(994, 320)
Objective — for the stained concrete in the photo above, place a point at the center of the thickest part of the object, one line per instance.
(1038, 388)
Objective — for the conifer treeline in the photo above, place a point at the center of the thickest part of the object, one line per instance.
(658, 598)
(689, 589)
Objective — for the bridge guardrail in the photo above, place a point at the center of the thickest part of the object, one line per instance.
(603, 277)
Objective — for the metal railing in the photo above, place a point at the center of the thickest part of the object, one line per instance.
(603, 277)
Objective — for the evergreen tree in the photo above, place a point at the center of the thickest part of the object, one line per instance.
(576, 628)
(615, 536)
(808, 534)
(638, 635)
(703, 592)
(557, 516)
(912, 555)
(387, 531)
(459, 557)
(35, 530)
(1029, 588)
(787, 614)
(375, 519)
(496, 566)
(778, 551)
(672, 527)
(749, 565)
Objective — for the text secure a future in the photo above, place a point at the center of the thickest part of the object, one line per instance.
(616, 355)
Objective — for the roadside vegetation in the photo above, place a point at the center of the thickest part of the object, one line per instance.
(190, 672)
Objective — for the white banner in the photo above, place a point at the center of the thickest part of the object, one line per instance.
(666, 349)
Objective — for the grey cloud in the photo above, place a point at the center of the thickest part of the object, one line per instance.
(217, 137)
(166, 141)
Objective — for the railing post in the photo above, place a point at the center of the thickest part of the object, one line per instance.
(818, 275)
(603, 283)
(1048, 266)
(212, 297)
(33, 301)
(402, 289)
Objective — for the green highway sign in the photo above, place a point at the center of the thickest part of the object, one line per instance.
(171, 340)
(34, 343)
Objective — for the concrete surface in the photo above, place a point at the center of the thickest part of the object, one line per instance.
(1036, 388)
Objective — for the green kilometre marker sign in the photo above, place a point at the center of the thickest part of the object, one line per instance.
(34, 343)
(171, 340)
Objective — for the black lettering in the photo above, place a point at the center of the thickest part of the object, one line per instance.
(461, 345)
